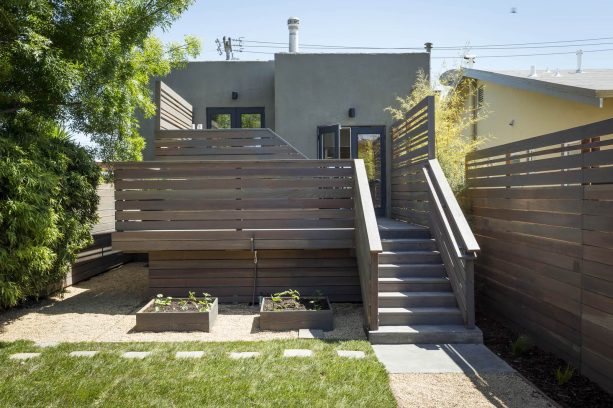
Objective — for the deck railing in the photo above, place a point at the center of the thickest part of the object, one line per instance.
(173, 112)
(367, 244)
(421, 195)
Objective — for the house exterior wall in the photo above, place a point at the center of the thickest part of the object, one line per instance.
(533, 114)
(318, 89)
(207, 84)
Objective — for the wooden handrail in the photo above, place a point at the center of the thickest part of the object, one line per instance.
(456, 242)
(367, 244)
(466, 239)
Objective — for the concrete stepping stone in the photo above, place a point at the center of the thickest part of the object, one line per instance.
(83, 353)
(351, 354)
(46, 344)
(298, 353)
(244, 354)
(136, 354)
(24, 356)
(189, 354)
(310, 334)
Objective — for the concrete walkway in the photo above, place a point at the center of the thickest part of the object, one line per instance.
(455, 375)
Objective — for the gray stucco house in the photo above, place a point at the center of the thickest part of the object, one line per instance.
(325, 105)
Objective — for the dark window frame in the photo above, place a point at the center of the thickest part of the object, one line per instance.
(235, 115)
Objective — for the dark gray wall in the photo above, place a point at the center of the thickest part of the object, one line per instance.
(207, 84)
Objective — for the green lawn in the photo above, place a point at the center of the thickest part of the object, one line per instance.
(325, 380)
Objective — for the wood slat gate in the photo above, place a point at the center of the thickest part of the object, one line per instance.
(542, 209)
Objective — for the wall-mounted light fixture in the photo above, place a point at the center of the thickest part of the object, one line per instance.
(351, 112)
(234, 95)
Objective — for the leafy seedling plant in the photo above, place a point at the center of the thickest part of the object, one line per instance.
(288, 299)
(521, 345)
(564, 375)
(161, 302)
(203, 304)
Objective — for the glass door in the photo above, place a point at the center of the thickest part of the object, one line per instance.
(328, 142)
(226, 118)
(368, 144)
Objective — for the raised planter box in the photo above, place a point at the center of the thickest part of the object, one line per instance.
(289, 319)
(149, 320)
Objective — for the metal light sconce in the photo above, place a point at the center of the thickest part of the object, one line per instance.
(351, 112)
(234, 95)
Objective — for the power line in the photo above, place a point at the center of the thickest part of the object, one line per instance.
(527, 45)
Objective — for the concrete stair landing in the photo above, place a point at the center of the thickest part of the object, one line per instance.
(416, 301)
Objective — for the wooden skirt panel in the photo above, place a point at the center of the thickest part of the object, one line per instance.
(231, 275)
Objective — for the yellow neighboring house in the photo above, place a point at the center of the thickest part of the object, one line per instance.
(524, 104)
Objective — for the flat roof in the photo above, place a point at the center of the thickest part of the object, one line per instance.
(589, 87)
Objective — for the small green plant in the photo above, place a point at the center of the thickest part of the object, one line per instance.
(183, 305)
(161, 301)
(203, 304)
(564, 375)
(290, 293)
(521, 345)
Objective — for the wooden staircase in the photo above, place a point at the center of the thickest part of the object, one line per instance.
(416, 303)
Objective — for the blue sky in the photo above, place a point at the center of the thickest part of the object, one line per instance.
(410, 24)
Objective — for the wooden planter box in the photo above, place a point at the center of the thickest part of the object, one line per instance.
(296, 319)
(175, 321)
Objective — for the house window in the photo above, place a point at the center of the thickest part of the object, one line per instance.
(226, 118)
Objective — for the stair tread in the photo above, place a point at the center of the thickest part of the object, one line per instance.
(416, 310)
(417, 279)
(408, 240)
(426, 328)
(412, 265)
(416, 252)
(415, 294)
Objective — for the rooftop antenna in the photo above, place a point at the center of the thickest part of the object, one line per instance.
(470, 59)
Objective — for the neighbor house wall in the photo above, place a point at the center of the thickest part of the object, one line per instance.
(533, 113)
(206, 84)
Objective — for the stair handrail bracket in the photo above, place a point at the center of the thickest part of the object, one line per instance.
(367, 244)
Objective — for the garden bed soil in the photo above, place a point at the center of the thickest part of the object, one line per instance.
(173, 318)
(539, 367)
(308, 313)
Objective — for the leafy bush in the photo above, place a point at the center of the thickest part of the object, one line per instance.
(48, 205)
(451, 121)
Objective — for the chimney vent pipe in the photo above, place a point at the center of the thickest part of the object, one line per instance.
(579, 57)
(293, 24)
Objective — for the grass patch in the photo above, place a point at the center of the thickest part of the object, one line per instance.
(325, 380)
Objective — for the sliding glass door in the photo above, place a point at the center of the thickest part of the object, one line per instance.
(226, 118)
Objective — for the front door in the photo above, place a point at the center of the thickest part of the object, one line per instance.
(368, 144)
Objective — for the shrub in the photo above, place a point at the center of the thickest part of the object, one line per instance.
(451, 121)
(48, 205)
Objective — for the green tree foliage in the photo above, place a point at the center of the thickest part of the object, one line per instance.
(452, 120)
(84, 65)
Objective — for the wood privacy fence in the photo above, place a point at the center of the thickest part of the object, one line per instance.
(421, 195)
(543, 212)
(99, 256)
(173, 112)
(238, 228)
(223, 144)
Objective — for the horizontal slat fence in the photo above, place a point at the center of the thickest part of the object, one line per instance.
(231, 274)
(542, 209)
(412, 145)
(290, 204)
(222, 144)
(173, 112)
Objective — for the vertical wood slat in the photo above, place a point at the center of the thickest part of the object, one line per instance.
(542, 209)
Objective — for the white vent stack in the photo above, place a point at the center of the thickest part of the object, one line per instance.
(532, 71)
(579, 57)
(293, 24)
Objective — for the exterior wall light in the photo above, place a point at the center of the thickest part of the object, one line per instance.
(234, 95)
(351, 112)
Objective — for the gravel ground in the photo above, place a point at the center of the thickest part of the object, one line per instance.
(103, 309)
(461, 390)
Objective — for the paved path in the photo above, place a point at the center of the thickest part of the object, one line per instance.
(455, 375)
